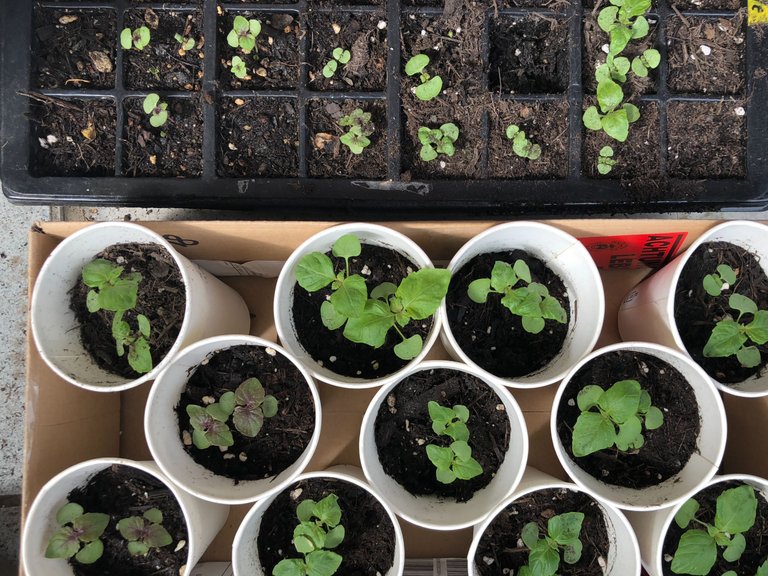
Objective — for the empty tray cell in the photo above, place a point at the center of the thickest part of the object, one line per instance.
(165, 63)
(706, 55)
(545, 125)
(272, 64)
(173, 149)
(554, 5)
(705, 4)
(528, 55)
(328, 122)
(362, 40)
(707, 139)
(257, 137)
(73, 137)
(258, 2)
(636, 158)
(335, 4)
(73, 48)
(596, 50)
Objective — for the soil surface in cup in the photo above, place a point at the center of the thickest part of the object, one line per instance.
(489, 333)
(756, 537)
(368, 548)
(697, 313)
(282, 438)
(161, 298)
(501, 551)
(666, 450)
(124, 492)
(330, 348)
(403, 430)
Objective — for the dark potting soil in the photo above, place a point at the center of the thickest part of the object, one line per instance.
(696, 312)
(368, 548)
(163, 64)
(757, 536)
(545, 124)
(366, 42)
(329, 347)
(329, 157)
(122, 492)
(683, 5)
(273, 64)
(403, 430)
(72, 137)
(666, 450)
(490, 334)
(161, 298)
(554, 5)
(257, 137)
(722, 71)
(73, 48)
(501, 551)
(282, 438)
(707, 139)
(173, 149)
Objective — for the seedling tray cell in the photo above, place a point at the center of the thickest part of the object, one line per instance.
(75, 133)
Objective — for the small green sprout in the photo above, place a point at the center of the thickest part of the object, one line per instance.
(137, 39)
(763, 569)
(605, 161)
(624, 21)
(729, 336)
(430, 86)
(239, 68)
(621, 412)
(532, 302)
(157, 110)
(614, 68)
(735, 513)
(521, 145)
(340, 56)
(455, 461)
(648, 60)
(187, 43)
(137, 341)
(563, 533)
(144, 532)
(615, 117)
(244, 33)
(319, 531)
(436, 141)
(722, 279)
(360, 127)
(78, 534)
(248, 405)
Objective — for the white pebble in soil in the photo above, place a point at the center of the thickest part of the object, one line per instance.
(706, 50)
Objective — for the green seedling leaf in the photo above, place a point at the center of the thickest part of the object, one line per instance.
(90, 552)
(466, 470)
(422, 291)
(686, 513)
(726, 339)
(530, 534)
(322, 563)
(565, 528)
(305, 510)
(735, 548)
(654, 418)
(126, 39)
(308, 538)
(633, 113)
(334, 537)
(630, 433)
(429, 89)
(239, 68)
(763, 569)
(736, 510)
(742, 303)
(289, 567)
(138, 548)
(696, 554)
(592, 119)
(543, 559)
(440, 456)
(593, 432)
(328, 511)
(616, 125)
(350, 297)
(63, 544)
(606, 18)
(748, 357)
(372, 325)
(383, 291)
(314, 272)
(68, 513)
(330, 318)
(409, 348)
(619, 38)
(609, 95)
(621, 400)
(640, 28)
(757, 330)
(132, 528)
(343, 56)
(330, 68)
(588, 397)
(154, 515)
(416, 64)
(478, 290)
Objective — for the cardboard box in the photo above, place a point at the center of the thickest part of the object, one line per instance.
(65, 425)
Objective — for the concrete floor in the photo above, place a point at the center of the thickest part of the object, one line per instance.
(15, 222)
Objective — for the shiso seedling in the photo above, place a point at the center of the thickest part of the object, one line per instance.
(244, 33)
(430, 86)
(339, 56)
(239, 68)
(563, 534)
(455, 461)
(731, 336)
(435, 141)
(144, 532)
(648, 60)
(187, 42)
(359, 127)
(521, 145)
(723, 278)
(621, 412)
(605, 161)
(531, 301)
(735, 513)
(79, 534)
(156, 109)
(319, 531)
(137, 39)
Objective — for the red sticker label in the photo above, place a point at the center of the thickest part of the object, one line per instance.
(634, 250)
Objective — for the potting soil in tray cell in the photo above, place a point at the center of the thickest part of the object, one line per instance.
(315, 93)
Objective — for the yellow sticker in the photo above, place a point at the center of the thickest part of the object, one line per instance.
(758, 12)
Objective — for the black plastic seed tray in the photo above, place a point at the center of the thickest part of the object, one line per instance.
(484, 183)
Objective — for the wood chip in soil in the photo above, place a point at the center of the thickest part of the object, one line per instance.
(282, 438)
(403, 430)
(122, 492)
(368, 548)
(707, 139)
(173, 149)
(501, 552)
(161, 298)
(329, 157)
(666, 450)
(330, 347)
(257, 137)
(490, 334)
(696, 312)
(72, 137)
